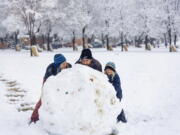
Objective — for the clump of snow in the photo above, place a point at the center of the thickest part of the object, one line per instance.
(79, 101)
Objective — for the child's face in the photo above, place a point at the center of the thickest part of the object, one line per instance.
(86, 61)
(109, 72)
(63, 65)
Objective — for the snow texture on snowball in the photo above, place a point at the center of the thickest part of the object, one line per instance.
(79, 101)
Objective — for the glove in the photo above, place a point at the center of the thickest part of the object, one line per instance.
(110, 78)
(119, 96)
(35, 116)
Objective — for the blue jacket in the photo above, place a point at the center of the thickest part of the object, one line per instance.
(51, 70)
(115, 80)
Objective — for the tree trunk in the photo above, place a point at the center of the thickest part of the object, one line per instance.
(16, 37)
(107, 42)
(92, 38)
(102, 39)
(126, 41)
(170, 39)
(175, 39)
(48, 42)
(139, 41)
(6, 37)
(73, 41)
(83, 33)
(43, 39)
(135, 41)
(170, 36)
(122, 41)
(146, 42)
(2, 40)
(30, 39)
(165, 40)
(34, 40)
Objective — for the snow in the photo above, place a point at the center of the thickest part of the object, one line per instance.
(81, 100)
(150, 83)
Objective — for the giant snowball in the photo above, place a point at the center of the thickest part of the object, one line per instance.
(79, 101)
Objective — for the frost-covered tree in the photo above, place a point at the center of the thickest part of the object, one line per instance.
(50, 15)
(124, 20)
(29, 12)
(171, 10)
(76, 19)
(3, 15)
(103, 19)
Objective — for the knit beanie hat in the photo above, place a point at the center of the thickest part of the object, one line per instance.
(59, 59)
(86, 54)
(110, 65)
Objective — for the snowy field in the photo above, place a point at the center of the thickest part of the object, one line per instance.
(150, 84)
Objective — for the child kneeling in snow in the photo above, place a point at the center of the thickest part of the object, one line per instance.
(53, 69)
(114, 79)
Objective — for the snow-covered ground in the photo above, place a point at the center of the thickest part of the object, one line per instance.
(150, 83)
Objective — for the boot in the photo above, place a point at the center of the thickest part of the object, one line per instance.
(122, 117)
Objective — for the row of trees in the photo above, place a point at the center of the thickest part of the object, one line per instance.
(127, 20)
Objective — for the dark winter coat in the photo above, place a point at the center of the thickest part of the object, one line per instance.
(95, 64)
(51, 70)
(115, 80)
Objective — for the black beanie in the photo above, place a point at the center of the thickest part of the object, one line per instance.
(86, 54)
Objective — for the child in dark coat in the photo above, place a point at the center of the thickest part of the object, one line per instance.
(114, 79)
(53, 69)
(56, 67)
(86, 58)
